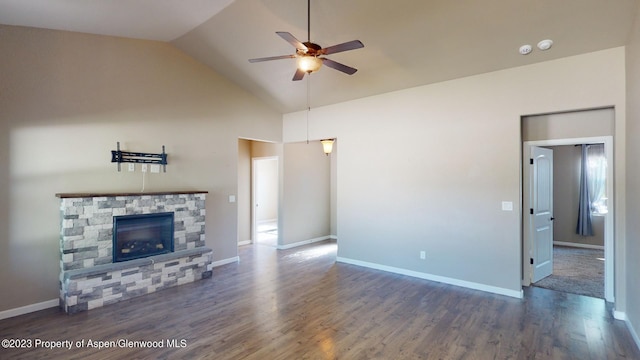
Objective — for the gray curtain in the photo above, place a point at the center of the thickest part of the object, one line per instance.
(584, 227)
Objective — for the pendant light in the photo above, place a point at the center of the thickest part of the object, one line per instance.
(327, 145)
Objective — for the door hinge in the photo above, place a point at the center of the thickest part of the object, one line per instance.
(531, 161)
(531, 211)
(531, 261)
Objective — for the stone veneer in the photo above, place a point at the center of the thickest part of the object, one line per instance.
(88, 276)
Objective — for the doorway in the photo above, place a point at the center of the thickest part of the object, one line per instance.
(528, 241)
(264, 195)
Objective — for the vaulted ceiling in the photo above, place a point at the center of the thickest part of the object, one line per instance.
(407, 42)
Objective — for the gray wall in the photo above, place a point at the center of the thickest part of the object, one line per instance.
(427, 168)
(567, 125)
(305, 206)
(306, 196)
(244, 190)
(566, 194)
(632, 250)
(248, 149)
(67, 98)
(334, 189)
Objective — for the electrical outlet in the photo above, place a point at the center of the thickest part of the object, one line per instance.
(155, 168)
(132, 167)
(423, 255)
(144, 167)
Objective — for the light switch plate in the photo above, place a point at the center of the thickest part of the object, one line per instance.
(232, 198)
(507, 205)
(155, 168)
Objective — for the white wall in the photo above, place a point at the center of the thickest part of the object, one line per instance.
(267, 184)
(427, 168)
(67, 98)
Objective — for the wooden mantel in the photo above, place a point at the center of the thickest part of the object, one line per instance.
(113, 194)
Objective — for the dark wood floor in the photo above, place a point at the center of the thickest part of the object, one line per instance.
(300, 304)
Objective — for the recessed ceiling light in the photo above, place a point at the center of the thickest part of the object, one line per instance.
(545, 45)
(525, 49)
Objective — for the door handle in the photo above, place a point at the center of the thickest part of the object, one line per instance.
(552, 219)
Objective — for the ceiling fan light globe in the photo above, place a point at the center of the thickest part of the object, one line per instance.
(309, 63)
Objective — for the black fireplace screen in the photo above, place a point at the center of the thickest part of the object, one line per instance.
(138, 236)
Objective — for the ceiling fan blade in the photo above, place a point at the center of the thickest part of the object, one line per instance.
(340, 67)
(272, 58)
(350, 45)
(292, 40)
(298, 75)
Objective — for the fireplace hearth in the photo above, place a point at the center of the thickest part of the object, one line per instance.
(139, 236)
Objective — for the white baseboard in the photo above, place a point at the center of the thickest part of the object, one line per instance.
(578, 245)
(29, 309)
(55, 302)
(619, 315)
(245, 242)
(466, 284)
(304, 242)
(267, 221)
(333, 237)
(232, 260)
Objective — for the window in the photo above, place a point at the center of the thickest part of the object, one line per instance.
(597, 178)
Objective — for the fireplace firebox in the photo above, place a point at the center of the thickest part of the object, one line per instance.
(138, 236)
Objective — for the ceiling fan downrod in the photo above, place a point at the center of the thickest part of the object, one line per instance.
(308, 20)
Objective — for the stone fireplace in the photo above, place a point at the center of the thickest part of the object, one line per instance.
(162, 245)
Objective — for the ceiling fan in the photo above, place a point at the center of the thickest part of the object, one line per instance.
(309, 54)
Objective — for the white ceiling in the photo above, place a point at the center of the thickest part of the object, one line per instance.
(162, 20)
(407, 42)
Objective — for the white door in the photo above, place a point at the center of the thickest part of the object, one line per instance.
(541, 211)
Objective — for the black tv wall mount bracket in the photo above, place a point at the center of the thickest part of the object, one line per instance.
(119, 156)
